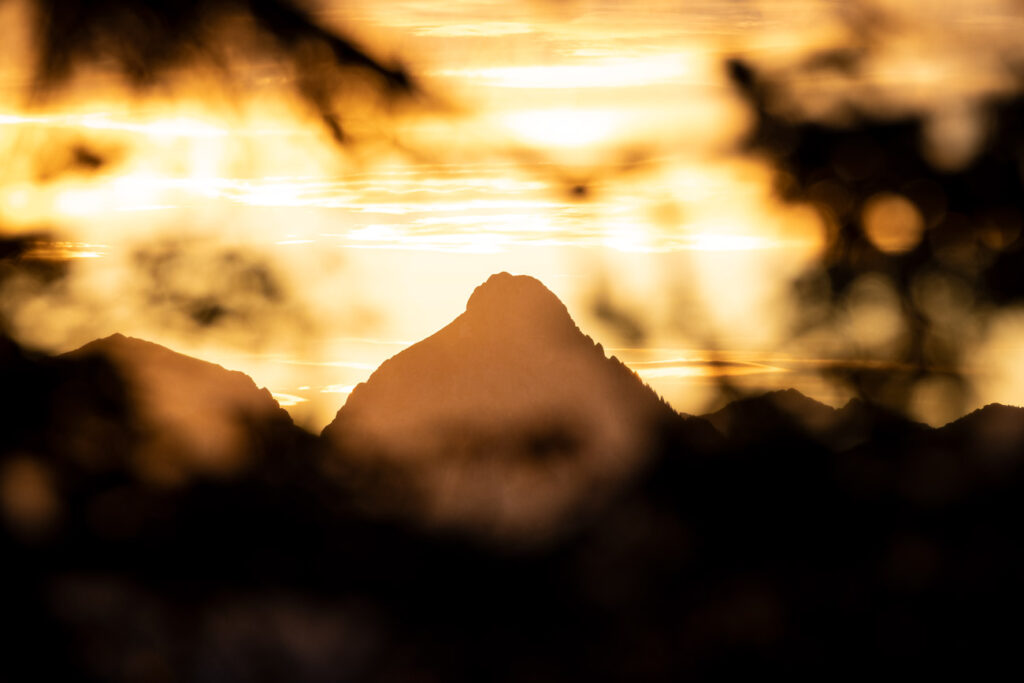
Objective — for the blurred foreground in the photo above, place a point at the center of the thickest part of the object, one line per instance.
(164, 520)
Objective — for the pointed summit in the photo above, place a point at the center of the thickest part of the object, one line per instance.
(506, 298)
(505, 289)
(506, 417)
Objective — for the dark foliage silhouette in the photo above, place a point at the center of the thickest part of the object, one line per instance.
(194, 285)
(146, 41)
(895, 213)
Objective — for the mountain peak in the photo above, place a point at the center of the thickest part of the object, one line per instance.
(507, 417)
(517, 299)
(506, 289)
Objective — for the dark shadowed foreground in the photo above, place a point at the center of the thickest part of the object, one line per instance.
(498, 502)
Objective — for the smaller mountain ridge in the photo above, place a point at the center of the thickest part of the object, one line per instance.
(155, 362)
(755, 417)
(192, 416)
(994, 432)
(789, 414)
(997, 416)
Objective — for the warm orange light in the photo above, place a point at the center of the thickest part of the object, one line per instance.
(288, 400)
(892, 223)
(170, 127)
(338, 389)
(608, 73)
(564, 127)
(727, 242)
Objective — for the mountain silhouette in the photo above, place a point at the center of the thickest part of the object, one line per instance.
(508, 417)
(788, 414)
(982, 451)
(191, 416)
(757, 417)
(991, 428)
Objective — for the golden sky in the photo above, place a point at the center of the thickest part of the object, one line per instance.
(589, 144)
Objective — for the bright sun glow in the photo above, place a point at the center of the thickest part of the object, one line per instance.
(169, 127)
(615, 73)
(725, 242)
(564, 127)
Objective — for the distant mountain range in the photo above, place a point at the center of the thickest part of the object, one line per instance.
(509, 419)
(775, 414)
(500, 501)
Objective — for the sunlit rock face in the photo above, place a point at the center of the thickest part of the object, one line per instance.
(509, 419)
(190, 417)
